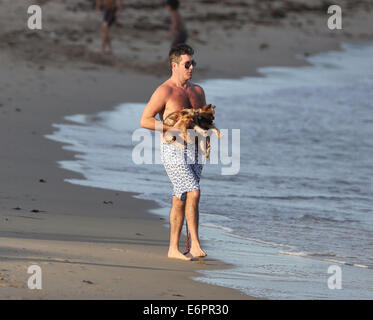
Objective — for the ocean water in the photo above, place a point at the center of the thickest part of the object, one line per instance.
(302, 200)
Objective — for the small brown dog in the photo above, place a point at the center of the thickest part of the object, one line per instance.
(187, 118)
(201, 120)
(203, 123)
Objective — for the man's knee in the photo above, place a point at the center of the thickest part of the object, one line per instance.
(177, 203)
(105, 26)
(193, 195)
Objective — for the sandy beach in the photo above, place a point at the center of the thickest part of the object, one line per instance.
(99, 244)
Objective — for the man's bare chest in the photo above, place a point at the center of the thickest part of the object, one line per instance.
(181, 100)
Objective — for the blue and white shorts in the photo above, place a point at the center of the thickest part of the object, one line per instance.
(182, 168)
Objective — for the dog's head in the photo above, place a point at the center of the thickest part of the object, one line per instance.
(207, 113)
(187, 116)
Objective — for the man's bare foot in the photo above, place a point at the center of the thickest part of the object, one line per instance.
(197, 252)
(176, 254)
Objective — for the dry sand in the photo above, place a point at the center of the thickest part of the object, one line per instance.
(88, 249)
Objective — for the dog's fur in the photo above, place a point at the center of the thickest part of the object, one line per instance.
(201, 120)
(205, 118)
(187, 117)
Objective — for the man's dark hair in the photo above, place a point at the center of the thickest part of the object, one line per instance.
(174, 4)
(178, 50)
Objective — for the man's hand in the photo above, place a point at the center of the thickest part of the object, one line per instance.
(174, 131)
(177, 125)
(98, 6)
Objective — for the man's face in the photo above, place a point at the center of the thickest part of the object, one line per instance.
(184, 69)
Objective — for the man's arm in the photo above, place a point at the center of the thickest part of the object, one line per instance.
(98, 5)
(120, 5)
(155, 105)
(201, 94)
(119, 9)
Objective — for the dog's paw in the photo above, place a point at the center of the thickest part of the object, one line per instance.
(217, 132)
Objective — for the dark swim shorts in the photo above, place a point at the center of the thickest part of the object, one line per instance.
(180, 37)
(109, 16)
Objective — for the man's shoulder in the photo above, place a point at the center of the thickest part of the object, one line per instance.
(165, 89)
(198, 88)
(166, 86)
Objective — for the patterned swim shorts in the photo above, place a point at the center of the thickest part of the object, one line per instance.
(182, 168)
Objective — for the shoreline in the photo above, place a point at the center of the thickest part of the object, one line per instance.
(38, 94)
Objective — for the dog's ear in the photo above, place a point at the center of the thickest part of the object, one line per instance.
(209, 107)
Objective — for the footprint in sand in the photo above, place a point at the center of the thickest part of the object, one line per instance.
(12, 283)
(36, 210)
(3, 282)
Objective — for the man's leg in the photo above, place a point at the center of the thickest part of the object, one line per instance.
(176, 223)
(105, 36)
(192, 217)
(110, 49)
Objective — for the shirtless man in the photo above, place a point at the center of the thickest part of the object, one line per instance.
(177, 29)
(174, 94)
(111, 13)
